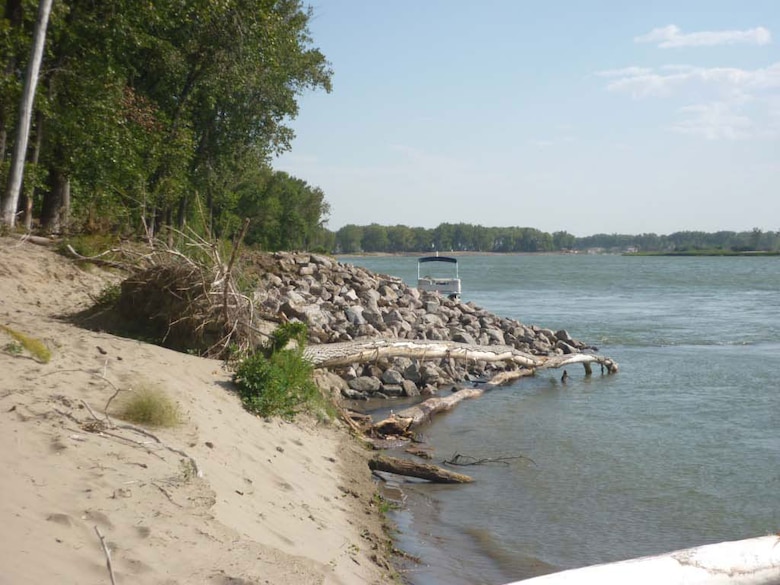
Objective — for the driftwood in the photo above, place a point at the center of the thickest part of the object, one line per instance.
(421, 470)
(361, 351)
(403, 421)
(102, 429)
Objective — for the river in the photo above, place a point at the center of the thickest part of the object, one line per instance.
(680, 448)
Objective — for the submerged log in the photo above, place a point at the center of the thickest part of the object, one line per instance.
(403, 421)
(360, 351)
(754, 561)
(409, 468)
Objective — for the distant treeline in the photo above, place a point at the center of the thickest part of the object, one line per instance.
(463, 237)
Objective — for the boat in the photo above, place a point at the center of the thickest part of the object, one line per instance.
(433, 282)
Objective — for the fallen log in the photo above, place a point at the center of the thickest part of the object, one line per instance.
(409, 468)
(329, 355)
(403, 421)
(753, 561)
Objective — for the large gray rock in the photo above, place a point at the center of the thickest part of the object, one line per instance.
(392, 377)
(410, 388)
(365, 384)
(354, 315)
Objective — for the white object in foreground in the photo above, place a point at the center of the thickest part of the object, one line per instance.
(754, 561)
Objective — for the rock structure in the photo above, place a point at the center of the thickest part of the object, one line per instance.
(341, 302)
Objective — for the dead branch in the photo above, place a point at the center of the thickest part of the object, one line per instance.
(98, 260)
(145, 433)
(465, 460)
(108, 555)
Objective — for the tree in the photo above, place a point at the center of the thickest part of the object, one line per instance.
(11, 199)
(400, 239)
(375, 238)
(349, 239)
(151, 105)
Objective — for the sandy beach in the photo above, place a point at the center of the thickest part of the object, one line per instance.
(279, 503)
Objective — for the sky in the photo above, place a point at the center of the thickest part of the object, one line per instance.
(584, 116)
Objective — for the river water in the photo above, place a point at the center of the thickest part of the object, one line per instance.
(680, 448)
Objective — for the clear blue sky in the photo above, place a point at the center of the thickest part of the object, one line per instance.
(584, 116)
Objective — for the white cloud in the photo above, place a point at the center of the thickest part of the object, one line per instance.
(722, 102)
(672, 37)
(641, 82)
(625, 72)
(715, 120)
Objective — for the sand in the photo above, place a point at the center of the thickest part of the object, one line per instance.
(278, 502)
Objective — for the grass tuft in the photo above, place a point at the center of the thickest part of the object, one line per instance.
(149, 406)
(34, 346)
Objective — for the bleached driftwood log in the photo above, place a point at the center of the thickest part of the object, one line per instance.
(420, 470)
(754, 561)
(361, 351)
(403, 421)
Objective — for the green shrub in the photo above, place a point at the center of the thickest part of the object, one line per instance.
(279, 385)
(149, 406)
(277, 381)
(282, 335)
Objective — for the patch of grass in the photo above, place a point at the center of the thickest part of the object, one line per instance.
(34, 346)
(384, 505)
(109, 296)
(89, 245)
(13, 348)
(149, 406)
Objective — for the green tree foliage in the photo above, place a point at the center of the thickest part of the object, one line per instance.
(146, 107)
(285, 212)
(475, 238)
(349, 239)
(375, 238)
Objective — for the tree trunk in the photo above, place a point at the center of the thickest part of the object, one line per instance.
(421, 470)
(754, 561)
(29, 196)
(64, 216)
(169, 226)
(350, 352)
(11, 200)
(53, 202)
(402, 422)
(181, 216)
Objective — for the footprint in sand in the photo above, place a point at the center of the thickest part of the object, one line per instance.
(98, 518)
(61, 519)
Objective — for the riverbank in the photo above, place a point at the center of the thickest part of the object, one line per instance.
(281, 503)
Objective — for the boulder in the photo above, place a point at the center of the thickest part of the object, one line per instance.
(410, 388)
(391, 376)
(365, 384)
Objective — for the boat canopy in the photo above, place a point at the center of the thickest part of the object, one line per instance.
(437, 259)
